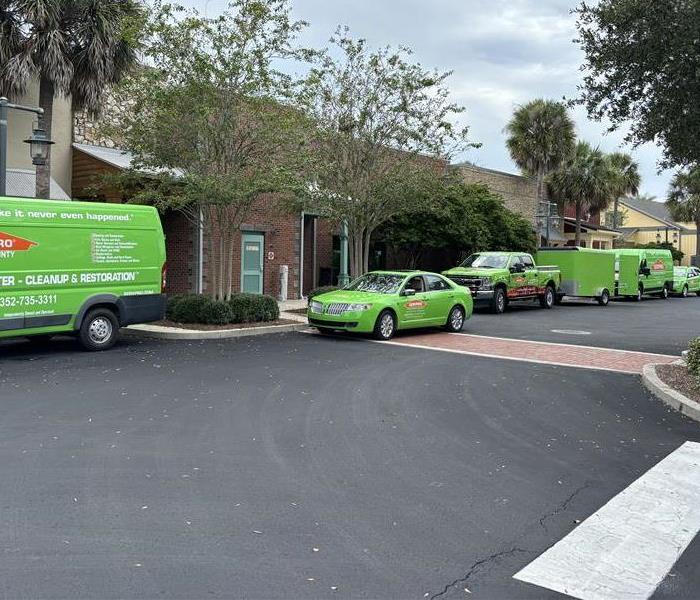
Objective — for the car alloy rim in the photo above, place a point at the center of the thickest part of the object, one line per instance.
(501, 300)
(550, 297)
(457, 319)
(100, 330)
(387, 326)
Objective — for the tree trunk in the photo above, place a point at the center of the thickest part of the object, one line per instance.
(577, 241)
(43, 172)
(211, 245)
(365, 251)
(697, 242)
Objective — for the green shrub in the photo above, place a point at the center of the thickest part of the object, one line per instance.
(252, 308)
(171, 302)
(322, 290)
(241, 308)
(693, 358)
(189, 308)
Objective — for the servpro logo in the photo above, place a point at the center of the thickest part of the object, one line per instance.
(9, 244)
(658, 265)
(416, 304)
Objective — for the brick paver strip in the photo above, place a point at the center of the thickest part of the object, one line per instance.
(568, 355)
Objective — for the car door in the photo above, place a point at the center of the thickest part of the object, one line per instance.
(440, 296)
(413, 309)
(531, 275)
(694, 279)
(518, 278)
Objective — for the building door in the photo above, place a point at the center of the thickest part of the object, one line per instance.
(252, 250)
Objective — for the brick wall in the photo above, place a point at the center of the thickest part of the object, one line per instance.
(519, 193)
(180, 247)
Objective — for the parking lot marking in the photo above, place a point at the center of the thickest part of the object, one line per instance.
(547, 353)
(627, 547)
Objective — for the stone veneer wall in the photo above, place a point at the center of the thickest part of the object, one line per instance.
(94, 131)
(519, 193)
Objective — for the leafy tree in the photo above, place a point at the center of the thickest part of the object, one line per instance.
(74, 48)
(541, 137)
(642, 71)
(627, 182)
(211, 109)
(684, 199)
(585, 181)
(384, 136)
(464, 218)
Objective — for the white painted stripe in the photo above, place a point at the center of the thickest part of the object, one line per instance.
(625, 550)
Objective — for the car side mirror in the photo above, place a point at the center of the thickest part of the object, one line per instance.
(646, 271)
(408, 292)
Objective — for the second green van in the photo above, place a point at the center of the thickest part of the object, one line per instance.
(640, 271)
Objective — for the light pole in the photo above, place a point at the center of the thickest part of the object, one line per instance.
(38, 142)
(343, 276)
(548, 217)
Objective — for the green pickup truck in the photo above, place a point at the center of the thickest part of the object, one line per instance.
(497, 278)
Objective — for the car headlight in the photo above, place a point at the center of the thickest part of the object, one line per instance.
(358, 307)
(315, 307)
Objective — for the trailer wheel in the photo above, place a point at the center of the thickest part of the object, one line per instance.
(99, 330)
(604, 298)
(498, 304)
(547, 299)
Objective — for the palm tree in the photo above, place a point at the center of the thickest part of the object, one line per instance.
(684, 200)
(586, 181)
(628, 180)
(74, 48)
(541, 136)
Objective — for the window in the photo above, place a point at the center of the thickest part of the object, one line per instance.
(380, 283)
(436, 284)
(486, 261)
(416, 283)
(527, 262)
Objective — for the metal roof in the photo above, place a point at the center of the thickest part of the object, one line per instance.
(22, 184)
(121, 159)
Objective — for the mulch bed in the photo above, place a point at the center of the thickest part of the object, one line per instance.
(203, 327)
(680, 379)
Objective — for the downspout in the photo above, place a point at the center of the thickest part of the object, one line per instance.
(301, 256)
(199, 283)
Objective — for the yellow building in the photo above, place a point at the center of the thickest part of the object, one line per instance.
(648, 221)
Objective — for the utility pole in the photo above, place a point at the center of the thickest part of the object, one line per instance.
(548, 217)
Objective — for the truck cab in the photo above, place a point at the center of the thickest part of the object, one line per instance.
(497, 278)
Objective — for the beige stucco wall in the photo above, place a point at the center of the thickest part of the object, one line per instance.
(19, 128)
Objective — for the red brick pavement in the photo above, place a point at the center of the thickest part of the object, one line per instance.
(569, 355)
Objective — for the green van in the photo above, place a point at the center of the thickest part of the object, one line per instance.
(641, 271)
(80, 268)
(585, 272)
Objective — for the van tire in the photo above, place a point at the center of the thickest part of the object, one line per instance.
(498, 304)
(604, 298)
(547, 299)
(664, 293)
(640, 293)
(684, 293)
(99, 330)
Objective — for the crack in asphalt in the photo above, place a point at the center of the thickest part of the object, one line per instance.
(563, 505)
(475, 567)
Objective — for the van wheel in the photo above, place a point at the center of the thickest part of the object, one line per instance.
(664, 293)
(640, 293)
(684, 293)
(99, 330)
(385, 326)
(547, 299)
(498, 304)
(455, 320)
(604, 298)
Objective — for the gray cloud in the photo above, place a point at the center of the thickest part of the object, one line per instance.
(503, 53)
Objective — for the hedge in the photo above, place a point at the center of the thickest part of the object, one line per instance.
(693, 359)
(241, 308)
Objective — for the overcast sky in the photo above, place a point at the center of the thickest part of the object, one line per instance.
(503, 53)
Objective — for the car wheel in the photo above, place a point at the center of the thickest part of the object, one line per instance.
(99, 330)
(498, 304)
(547, 299)
(604, 298)
(385, 327)
(455, 320)
(684, 293)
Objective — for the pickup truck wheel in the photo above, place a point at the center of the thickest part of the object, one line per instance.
(547, 299)
(99, 330)
(604, 298)
(385, 326)
(498, 304)
(455, 320)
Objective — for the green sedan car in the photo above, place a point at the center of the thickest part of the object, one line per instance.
(686, 280)
(381, 302)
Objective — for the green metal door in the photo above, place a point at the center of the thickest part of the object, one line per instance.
(252, 249)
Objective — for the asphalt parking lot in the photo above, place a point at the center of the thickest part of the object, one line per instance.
(653, 325)
(302, 466)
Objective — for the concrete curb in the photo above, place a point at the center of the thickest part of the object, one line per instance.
(174, 333)
(668, 395)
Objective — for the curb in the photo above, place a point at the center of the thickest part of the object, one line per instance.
(668, 395)
(174, 333)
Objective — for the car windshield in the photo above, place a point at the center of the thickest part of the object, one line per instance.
(486, 261)
(379, 283)
(679, 271)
